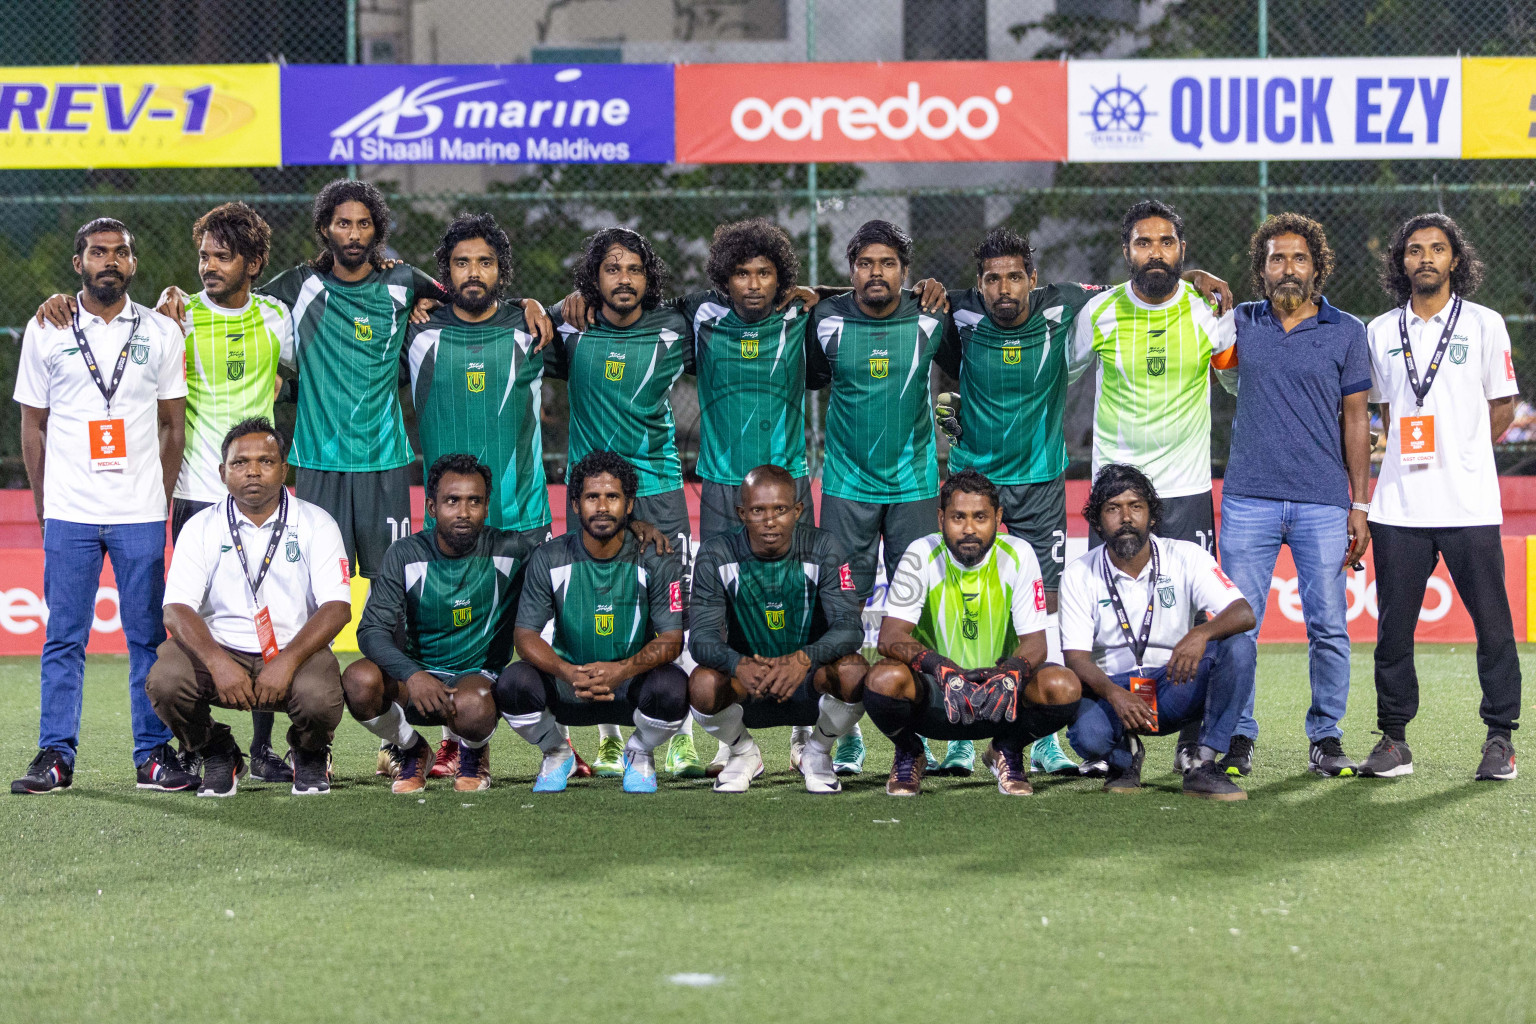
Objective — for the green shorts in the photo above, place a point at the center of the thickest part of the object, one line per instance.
(717, 507)
(1031, 722)
(1037, 513)
(373, 510)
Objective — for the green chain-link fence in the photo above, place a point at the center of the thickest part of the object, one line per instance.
(1072, 212)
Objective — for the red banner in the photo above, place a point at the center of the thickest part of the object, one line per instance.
(921, 110)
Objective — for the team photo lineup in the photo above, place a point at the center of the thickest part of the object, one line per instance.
(138, 417)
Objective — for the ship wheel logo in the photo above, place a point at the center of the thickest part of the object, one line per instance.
(1118, 109)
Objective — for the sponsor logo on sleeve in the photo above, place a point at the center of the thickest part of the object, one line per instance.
(346, 570)
(1509, 360)
(845, 576)
(1039, 595)
(1223, 577)
(675, 596)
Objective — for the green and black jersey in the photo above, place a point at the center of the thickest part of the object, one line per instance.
(348, 340)
(456, 613)
(744, 605)
(751, 388)
(618, 383)
(602, 610)
(478, 388)
(1013, 384)
(879, 418)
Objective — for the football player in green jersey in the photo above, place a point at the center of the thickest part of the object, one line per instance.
(776, 635)
(452, 593)
(618, 626)
(964, 645)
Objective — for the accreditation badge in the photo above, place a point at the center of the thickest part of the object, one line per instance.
(109, 445)
(1146, 689)
(1416, 440)
(266, 637)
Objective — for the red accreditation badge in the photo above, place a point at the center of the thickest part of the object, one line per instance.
(1416, 439)
(265, 636)
(1146, 689)
(109, 445)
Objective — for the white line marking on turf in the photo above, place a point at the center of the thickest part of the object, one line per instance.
(693, 980)
(229, 913)
(887, 821)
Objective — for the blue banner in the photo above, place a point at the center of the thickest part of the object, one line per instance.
(477, 113)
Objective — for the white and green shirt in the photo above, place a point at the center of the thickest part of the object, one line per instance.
(1152, 395)
(232, 358)
(972, 616)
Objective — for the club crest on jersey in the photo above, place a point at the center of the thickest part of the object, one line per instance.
(879, 368)
(970, 628)
(1458, 354)
(139, 353)
(775, 617)
(234, 369)
(291, 549)
(1157, 362)
(361, 330)
(1012, 354)
(614, 370)
(475, 379)
(749, 346)
(1165, 596)
(461, 616)
(604, 623)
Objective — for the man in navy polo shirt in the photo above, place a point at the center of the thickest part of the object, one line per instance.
(1290, 478)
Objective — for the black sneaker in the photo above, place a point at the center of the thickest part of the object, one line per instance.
(48, 773)
(191, 762)
(1498, 759)
(221, 772)
(1327, 757)
(266, 766)
(1238, 759)
(1186, 758)
(1389, 759)
(1208, 782)
(163, 771)
(1127, 780)
(311, 772)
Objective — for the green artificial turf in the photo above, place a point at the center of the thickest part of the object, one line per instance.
(1317, 900)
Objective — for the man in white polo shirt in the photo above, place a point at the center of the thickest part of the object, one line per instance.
(1128, 630)
(102, 420)
(258, 589)
(1442, 371)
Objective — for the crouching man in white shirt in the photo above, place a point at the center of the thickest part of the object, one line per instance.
(258, 588)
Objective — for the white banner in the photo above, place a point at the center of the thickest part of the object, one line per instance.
(1371, 108)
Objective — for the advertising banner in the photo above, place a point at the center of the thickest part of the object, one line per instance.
(1324, 109)
(918, 110)
(477, 113)
(141, 115)
(1498, 107)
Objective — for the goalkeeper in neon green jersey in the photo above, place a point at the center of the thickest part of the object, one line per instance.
(964, 645)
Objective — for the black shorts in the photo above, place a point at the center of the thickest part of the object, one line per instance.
(416, 716)
(1190, 517)
(1031, 723)
(569, 709)
(802, 707)
(857, 528)
(717, 507)
(373, 510)
(1038, 513)
(183, 509)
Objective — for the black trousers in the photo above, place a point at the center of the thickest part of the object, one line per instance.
(1405, 558)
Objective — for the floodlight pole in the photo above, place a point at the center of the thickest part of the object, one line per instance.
(1263, 164)
(352, 58)
(810, 169)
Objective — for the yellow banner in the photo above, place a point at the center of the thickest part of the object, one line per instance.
(142, 115)
(1498, 107)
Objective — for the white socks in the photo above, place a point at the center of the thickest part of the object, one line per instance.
(1053, 639)
(726, 727)
(449, 734)
(391, 727)
(608, 732)
(650, 733)
(836, 718)
(538, 729)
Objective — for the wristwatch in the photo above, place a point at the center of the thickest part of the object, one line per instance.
(1359, 506)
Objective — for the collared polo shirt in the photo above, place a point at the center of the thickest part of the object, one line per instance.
(1189, 582)
(52, 375)
(1286, 444)
(309, 570)
(1461, 487)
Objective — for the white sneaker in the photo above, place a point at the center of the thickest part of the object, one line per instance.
(740, 770)
(798, 737)
(816, 766)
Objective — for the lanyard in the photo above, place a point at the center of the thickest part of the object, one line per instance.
(1420, 390)
(278, 529)
(1138, 644)
(90, 360)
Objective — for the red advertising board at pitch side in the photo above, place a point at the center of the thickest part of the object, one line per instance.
(919, 110)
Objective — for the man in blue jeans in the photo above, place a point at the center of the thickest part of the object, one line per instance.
(1290, 477)
(102, 404)
(1128, 611)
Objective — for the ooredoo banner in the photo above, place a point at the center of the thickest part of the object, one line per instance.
(477, 113)
(919, 110)
(1327, 109)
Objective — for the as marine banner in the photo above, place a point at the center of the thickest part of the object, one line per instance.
(1499, 108)
(141, 115)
